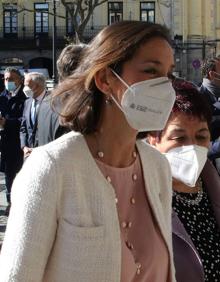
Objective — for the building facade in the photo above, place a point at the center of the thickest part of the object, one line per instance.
(27, 29)
(26, 35)
(196, 33)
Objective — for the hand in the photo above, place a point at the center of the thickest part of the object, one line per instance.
(27, 151)
(2, 122)
(217, 66)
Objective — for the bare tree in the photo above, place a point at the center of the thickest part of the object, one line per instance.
(80, 12)
(166, 3)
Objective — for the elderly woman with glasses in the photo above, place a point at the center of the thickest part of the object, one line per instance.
(196, 186)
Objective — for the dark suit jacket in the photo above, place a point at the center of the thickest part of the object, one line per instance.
(48, 123)
(28, 130)
(214, 104)
(214, 150)
(11, 109)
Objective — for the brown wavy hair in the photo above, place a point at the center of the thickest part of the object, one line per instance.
(81, 100)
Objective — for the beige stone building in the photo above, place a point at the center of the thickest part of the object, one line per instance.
(196, 32)
(26, 36)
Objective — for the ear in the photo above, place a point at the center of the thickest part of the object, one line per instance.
(153, 139)
(211, 75)
(103, 80)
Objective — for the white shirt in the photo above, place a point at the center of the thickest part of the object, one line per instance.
(35, 106)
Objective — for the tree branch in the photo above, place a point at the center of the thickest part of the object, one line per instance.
(101, 2)
(165, 3)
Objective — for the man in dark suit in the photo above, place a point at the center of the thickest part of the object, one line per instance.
(11, 106)
(210, 89)
(2, 85)
(48, 119)
(35, 89)
(49, 128)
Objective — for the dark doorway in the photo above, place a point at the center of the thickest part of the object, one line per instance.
(42, 63)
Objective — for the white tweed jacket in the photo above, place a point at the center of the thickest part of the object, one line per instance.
(63, 225)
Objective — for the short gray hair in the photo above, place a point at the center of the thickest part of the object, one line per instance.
(14, 70)
(37, 77)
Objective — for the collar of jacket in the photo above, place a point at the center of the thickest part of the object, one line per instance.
(180, 231)
(212, 98)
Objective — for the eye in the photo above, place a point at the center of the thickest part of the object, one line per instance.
(151, 71)
(202, 138)
(178, 139)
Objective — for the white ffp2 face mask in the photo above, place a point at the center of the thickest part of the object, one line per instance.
(187, 163)
(28, 92)
(147, 104)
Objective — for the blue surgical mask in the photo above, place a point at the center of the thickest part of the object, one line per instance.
(10, 86)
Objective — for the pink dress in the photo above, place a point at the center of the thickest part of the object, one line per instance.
(144, 253)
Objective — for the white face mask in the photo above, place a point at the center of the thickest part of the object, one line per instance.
(28, 92)
(147, 104)
(187, 163)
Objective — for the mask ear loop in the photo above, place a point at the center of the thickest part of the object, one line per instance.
(118, 76)
(113, 98)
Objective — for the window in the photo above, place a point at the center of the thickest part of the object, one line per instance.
(115, 12)
(41, 18)
(10, 20)
(147, 11)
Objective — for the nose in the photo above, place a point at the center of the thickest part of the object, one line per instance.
(191, 141)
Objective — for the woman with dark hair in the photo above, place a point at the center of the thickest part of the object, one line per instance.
(196, 186)
(95, 204)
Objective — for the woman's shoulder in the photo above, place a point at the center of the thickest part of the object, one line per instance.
(154, 162)
(66, 144)
(151, 152)
(56, 154)
(48, 164)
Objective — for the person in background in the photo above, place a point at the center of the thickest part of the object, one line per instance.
(2, 85)
(35, 89)
(49, 128)
(196, 186)
(96, 203)
(210, 89)
(69, 59)
(11, 107)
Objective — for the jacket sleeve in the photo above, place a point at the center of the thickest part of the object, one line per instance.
(166, 190)
(23, 132)
(32, 222)
(13, 118)
(214, 150)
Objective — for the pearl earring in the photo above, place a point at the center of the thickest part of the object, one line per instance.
(108, 101)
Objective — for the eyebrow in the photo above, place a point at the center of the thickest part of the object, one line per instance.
(155, 62)
(177, 130)
(203, 129)
(182, 130)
